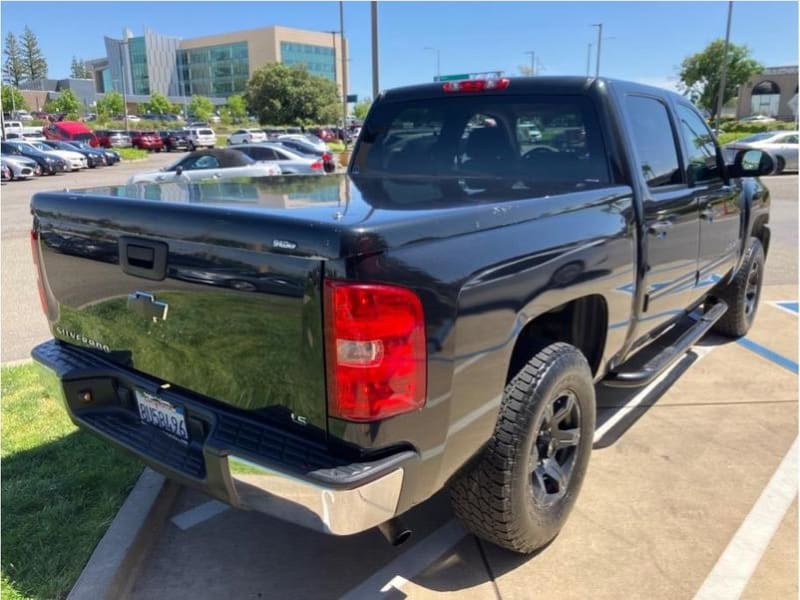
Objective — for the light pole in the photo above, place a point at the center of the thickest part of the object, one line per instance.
(344, 69)
(374, 16)
(533, 61)
(724, 71)
(599, 46)
(438, 59)
(588, 58)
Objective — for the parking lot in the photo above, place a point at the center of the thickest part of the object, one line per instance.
(686, 494)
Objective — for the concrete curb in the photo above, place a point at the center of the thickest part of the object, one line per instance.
(119, 556)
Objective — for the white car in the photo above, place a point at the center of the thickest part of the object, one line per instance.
(134, 118)
(75, 160)
(15, 126)
(247, 136)
(21, 167)
(23, 115)
(35, 136)
(308, 138)
(757, 119)
(201, 137)
(214, 165)
(781, 145)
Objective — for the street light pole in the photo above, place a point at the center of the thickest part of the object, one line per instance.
(374, 16)
(588, 58)
(599, 45)
(344, 69)
(724, 70)
(533, 61)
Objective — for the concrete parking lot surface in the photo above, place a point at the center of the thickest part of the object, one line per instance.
(686, 493)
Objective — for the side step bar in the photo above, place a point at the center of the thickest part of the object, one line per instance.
(670, 354)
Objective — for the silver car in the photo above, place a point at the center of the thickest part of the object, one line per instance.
(214, 165)
(782, 145)
(21, 167)
(290, 163)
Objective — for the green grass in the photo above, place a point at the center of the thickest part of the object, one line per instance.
(336, 146)
(61, 488)
(132, 153)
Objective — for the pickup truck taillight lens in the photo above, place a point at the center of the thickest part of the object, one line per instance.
(37, 263)
(375, 350)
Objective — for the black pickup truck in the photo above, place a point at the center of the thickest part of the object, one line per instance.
(334, 351)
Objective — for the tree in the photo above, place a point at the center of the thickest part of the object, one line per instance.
(78, 69)
(111, 105)
(67, 103)
(158, 105)
(13, 66)
(35, 65)
(237, 108)
(283, 95)
(700, 73)
(361, 109)
(13, 99)
(201, 107)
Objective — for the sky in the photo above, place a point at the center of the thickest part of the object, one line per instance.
(645, 41)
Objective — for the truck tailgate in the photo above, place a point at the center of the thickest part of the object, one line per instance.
(193, 296)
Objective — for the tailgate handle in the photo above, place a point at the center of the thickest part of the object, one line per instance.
(143, 258)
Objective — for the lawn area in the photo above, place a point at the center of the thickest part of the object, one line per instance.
(61, 488)
(132, 153)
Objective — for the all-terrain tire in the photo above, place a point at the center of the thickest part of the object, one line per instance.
(743, 293)
(502, 496)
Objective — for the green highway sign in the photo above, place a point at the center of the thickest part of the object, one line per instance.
(460, 76)
(451, 77)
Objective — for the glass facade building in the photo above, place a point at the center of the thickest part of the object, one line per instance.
(319, 60)
(214, 70)
(140, 77)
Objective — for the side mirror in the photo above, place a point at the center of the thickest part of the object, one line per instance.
(178, 170)
(751, 163)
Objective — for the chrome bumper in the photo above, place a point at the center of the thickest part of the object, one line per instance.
(340, 501)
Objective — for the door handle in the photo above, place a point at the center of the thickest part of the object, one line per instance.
(660, 228)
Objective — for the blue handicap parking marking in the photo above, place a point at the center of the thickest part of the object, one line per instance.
(788, 305)
(770, 355)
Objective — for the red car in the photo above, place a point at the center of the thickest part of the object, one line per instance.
(70, 131)
(147, 140)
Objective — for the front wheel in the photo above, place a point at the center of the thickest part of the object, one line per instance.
(521, 487)
(743, 293)
(780, 165)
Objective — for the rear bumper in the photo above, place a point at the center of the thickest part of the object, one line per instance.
(237, 459)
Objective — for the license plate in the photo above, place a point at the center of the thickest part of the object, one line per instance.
(161, 414)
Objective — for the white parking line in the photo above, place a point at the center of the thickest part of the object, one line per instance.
(735, 567)
(198, 514)
(639, 398)
(416, 559)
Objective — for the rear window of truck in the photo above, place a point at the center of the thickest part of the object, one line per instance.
(539, 142)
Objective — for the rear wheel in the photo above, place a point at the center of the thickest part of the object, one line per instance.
(521, 487)
(780, 165)
(743, 293)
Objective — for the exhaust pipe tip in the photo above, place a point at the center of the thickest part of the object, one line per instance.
(395, 531)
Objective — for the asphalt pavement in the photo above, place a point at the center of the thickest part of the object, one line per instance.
(24, 326)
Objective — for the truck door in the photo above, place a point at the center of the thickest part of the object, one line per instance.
(672, 222)
(717, 201)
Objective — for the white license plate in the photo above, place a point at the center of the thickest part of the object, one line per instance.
(161, 414)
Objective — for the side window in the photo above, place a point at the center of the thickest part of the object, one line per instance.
(280, 155)
(701, 150)
(202, 162)
(262, 154)
(655, 143)
(789, 139)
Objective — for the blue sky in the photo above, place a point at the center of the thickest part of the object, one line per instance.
(647, 41)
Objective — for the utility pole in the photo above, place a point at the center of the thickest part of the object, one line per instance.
(724, 71)
(374, 15)
(438, 59)
(344, 68)
(599, 45)
(533, 61)
(588, 58)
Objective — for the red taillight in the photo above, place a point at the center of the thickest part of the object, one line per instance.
(375, 350)
(327, 157)
(476, 85)
(37, 261)
(316, 165)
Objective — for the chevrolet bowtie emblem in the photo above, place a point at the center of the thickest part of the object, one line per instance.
(147, 306)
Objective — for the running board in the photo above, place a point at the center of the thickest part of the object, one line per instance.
(670, 354)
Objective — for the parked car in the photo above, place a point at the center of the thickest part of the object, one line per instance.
(147, 140)
(22, 115)
(290, 161)
(134, 118)
(21, 167)
(29, 135)
(49, 162)
(325, 134)
(70, 131)
(74, 159)
(458, 307)
(5, 172)
(113, 138)
(306, 138)
(306, 149)
(782, 145)
(201, 137)
(246, 136)
(757, 119)
(94, 158)
(13, 126)
(219, 164)
(109, 156)
(175, 140)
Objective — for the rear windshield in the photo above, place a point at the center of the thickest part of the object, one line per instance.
(83, 137)
(553, 142)
(205, 132)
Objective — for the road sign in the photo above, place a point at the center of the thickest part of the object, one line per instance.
(461, 76)
(451, 77)
(352, 97)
